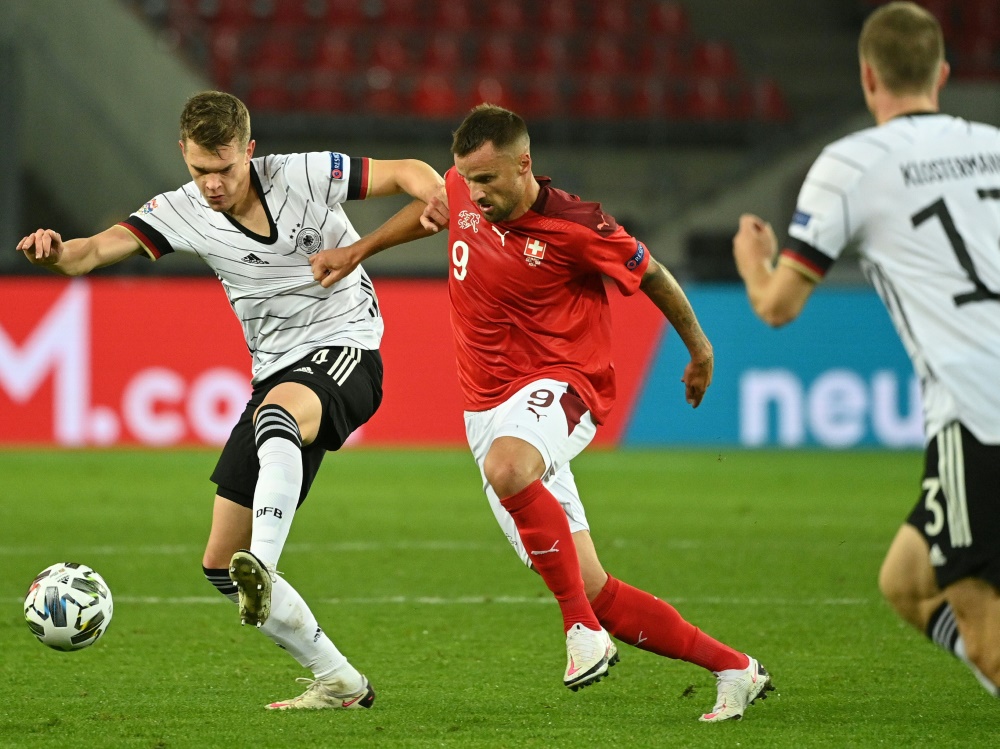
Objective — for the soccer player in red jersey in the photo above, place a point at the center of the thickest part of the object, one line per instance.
(533, 343)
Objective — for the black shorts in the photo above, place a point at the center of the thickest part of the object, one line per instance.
(958, 512)
(348, 382)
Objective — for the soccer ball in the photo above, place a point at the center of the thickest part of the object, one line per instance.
(68, 606)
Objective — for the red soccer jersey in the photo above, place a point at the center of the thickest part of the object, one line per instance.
(528, 298)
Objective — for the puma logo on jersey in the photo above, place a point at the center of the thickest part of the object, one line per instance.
(253, 260)
(502, 235)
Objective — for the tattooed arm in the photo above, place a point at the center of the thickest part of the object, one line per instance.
(664, 291)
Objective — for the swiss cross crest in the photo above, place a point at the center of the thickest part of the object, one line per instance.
(469, 220)
(534, 251)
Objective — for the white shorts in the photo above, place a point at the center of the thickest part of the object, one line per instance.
(556, 423)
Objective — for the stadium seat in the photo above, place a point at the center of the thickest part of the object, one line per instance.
(714, 59)
(406, 14)
(344, 14)
(766, 102)
(327, 92)
(596, 97)
(558, 16)
(276, 51)
(497, 54)
(382, 93)
(390, 52)
(443, 53)
(270, 91)
(980, 18)
(666, 57)
(435, 97)
(708, 99)
(668, 18)
(543, 97)
(224, 54)
(652, 98)
(506, 15)
(603, 56)
(612, 18)
(454, 15)
(335, 52)
(548, 54)
(492, 90)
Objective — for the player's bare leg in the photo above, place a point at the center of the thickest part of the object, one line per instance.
(907, 582)
(906, 578)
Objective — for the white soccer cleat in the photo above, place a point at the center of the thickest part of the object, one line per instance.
(253, 581)
(738, 688)
(589, 654)
(324, 695)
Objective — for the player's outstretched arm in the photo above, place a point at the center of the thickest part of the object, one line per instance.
(329, 266)
(664, 291)
(412, 176)
(74, 257)
(777, 294)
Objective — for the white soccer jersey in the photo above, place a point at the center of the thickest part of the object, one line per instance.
(285, 314)
(921, 197)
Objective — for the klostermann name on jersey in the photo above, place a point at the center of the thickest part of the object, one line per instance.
(528, 295)
(283, 311)
(921, 197)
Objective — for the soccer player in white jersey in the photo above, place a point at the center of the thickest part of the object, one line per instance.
(317, 373)
(920, 194)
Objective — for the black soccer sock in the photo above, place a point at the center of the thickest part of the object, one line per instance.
(220, 579)
(942, 629)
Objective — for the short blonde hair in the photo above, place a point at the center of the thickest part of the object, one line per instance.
(213, 119)
(904, 44)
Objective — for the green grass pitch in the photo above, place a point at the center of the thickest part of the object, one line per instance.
(397, 553)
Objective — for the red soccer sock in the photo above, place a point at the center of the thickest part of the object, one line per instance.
(544, 529)
(643, 620)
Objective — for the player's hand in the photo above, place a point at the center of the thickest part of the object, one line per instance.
(754, 244)
(42, 247)
(697, 377)
(435, 215)
(329, 266)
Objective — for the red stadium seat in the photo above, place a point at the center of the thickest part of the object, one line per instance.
(668, 18)
(613, 17)
(497, 54)
(558, 16)
(335, 52)
(714, 59)
(506, 15)
(277, 52)
(327, 92)
(400, 14)
(435, 97)
(548, 54)
(597, 98)
(391, 53)
(766, 101)
(224, 54)
(708, 99)
(604, 56)
(652, 98)
(443, 53)
(666, 57)
(454, 15)
(344, 14)
(543, 98)
(271, 92)
(491, 90)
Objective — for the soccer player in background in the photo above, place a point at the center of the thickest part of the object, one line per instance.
(920, 194)
(532, 333)
(317, 373)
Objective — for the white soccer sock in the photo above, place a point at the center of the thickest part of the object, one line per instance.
(988, 685)
(275, 498)
(293, 626)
